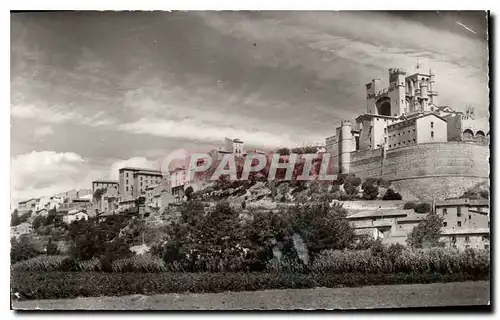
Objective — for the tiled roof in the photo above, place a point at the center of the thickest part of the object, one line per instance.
(466, 231)
(378, 213)
(105, 181)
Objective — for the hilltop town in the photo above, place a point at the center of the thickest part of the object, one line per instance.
(405, 147)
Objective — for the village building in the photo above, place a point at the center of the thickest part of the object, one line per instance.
(104, 184)
(75, 215)
(466, 222)
(133, 181)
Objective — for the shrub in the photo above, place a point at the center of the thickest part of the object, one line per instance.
(370, 192)
(52, 248)
(398, 259)
(409, 205)
(423, 208)
(22, 249)
(139, 263)
(17, 219)
(93, 264)
(391, 195)
(44, 264)
(38, 222)
(59, 285)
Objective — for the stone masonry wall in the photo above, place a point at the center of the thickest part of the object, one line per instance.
(427, 171)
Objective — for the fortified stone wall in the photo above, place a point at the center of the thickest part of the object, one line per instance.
(427, 171)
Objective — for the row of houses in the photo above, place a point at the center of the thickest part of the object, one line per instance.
(466, 222)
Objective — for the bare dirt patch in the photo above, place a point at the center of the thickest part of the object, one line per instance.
(391, 296)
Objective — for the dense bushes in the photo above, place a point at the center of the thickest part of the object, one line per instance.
(392, 195)
(22, 249)
(409, 205)
(17, 219)
(58, 285)
(378, 259)
(44, 263)
(395, 259)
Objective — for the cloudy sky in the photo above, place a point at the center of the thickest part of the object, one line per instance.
(94, 91)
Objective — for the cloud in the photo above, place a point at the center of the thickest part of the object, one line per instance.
(203, 132)
(139, 162)
(44, 173)
(142, 87)
(43, 131)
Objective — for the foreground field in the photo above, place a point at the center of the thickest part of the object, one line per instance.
(392, 296)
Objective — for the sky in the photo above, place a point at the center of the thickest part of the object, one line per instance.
(94, 91)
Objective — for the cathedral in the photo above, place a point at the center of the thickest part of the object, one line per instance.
(405, 113)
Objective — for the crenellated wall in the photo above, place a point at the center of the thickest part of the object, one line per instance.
(427, 171)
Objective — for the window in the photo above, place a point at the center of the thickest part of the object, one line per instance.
(432, 124)
(459, 212)
(470, 217)
(390, 146)
(385, 130)
(487, 247)
(445, 212)
(445, 224)
(467, 239)
(486, 238)
(126, 189)
(459, 223)
(432, 134)
(453, 239)
(414, 140)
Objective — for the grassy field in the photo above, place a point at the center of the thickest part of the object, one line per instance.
(391, 296)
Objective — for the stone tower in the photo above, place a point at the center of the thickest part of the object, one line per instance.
(345, 147)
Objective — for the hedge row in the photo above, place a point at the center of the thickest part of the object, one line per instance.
(58, 285)
(377, 259)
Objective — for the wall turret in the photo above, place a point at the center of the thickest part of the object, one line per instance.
(372, 90)
(345, 146)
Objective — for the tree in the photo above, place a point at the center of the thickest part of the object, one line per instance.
(426, 233)
(370, 192)
(283, 151)
(189, 192)
(98, 194)
(22, 249)
(391, 195)
(16, 218)
(322, 227)
(51, 217)
(409, 205)
(39, 221)
(52, 249)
